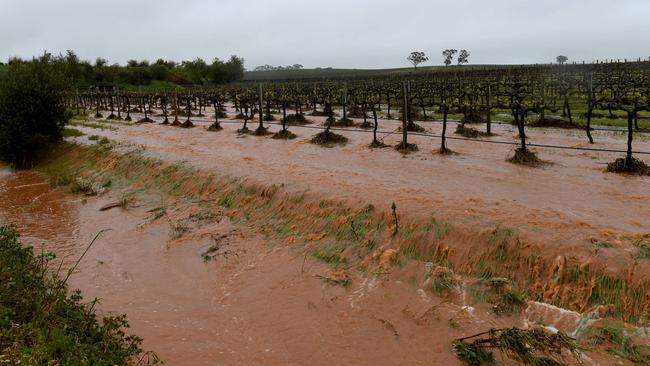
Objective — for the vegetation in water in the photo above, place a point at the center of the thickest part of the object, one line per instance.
(43, 323)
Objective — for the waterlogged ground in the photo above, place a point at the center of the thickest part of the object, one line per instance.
(561, 208)
(255, 302)
(259, 301)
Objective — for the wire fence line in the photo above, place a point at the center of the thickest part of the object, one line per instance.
(433, 135)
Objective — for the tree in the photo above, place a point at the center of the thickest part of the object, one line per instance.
(449, 56)
(561, 59)
(32, 110)
(416, 58)
(463, 57)
(101, 62)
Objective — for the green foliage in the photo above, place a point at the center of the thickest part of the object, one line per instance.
(40, 324)
(331, 254)
(72, 132)
(534, 346)
(32, 110)
(473, 356)
(634, 166)
(622, 344)
(83, 74)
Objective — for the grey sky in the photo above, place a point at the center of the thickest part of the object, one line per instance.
(337, 33)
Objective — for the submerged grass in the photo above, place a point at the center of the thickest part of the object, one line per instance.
(620, 344)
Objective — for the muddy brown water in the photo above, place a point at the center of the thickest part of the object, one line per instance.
(258, 302)
(261, 303)
(48, 219)
(559, 208)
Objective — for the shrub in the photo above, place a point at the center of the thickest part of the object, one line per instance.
(41, 324)
(32, 110)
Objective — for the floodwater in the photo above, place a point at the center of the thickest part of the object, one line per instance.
(46, 218)
(256, 302)
(562, 207)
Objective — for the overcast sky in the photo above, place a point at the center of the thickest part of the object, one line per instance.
(337, 33)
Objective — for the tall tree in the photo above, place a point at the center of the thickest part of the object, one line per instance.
(561, 59)
(463, 57)
(417, 57)
(449, 55)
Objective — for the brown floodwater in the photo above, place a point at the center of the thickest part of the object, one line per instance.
(257, 302)
(47, 219)
(560, 208)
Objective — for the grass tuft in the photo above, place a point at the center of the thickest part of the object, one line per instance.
(526, 157)
(284, 135)
(328, 138)
(72, 132)
(622, 345)
(623, 166)
(406, 148)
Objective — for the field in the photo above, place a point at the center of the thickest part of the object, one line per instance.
(366, 219)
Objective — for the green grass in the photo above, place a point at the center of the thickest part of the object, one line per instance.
(443, 281)
(330, 254)
(41, 324)
(86, 123)
(72, 132)
(622, 345)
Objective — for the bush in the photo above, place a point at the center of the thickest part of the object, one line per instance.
(32, 110)
(41, 324)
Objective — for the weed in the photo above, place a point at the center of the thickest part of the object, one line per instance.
(406, 148)
(376, 144)
(331, 254)
(622, 345)
(468, 132)
(598, 245)
(534, 346)
(526, 157)
(93, 137)
(634, 166)
(284, 135)
(178, 229)
(84, 186)
(443, 280)
(329, 139)
(508, 301)
(473, 356)
(72, 132)
(126, 200)
(643, 247)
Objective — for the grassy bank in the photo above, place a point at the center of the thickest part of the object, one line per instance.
(366, 238)
(41, 323)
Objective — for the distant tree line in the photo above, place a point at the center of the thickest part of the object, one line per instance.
(83, 73)
(278, 68)
(418, 57)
